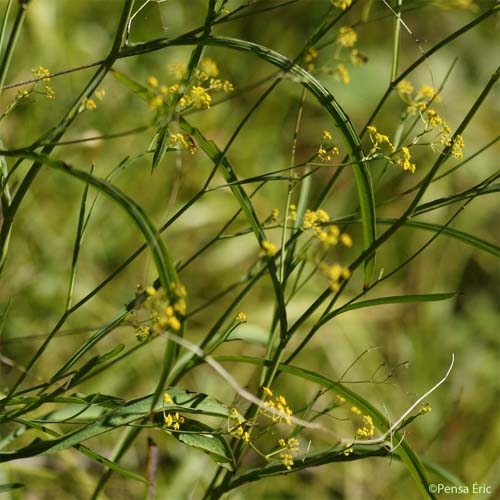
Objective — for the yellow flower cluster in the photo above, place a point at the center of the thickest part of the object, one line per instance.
(287, 460)
(402, 158)
(347, 37)
(317, 220)
(425, 408)
(241, 317)
(435, 122)
(196, 95)
(276, 408)
(325, 151)
(163, 314)
(309, 58)
(379, 140)
(182, 142)
(91, 104)
(238, 430)
(367, 430)
(44, 74)
(416, 101)
(174, 421)
(21, 94)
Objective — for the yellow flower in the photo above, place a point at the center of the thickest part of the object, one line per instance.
(427, 92)
(341, 4)
(403, 160)
(167, 399)
(342, 74)
(356, 410)
(346, 240)
(267, 391)
(425, 408)
(268, 248)
(89, 104)
(178, 70)
(155, 102)
(174, 324)
(152, 81)
(327, 136)
(200, 98)
(310, 57)
(209, 67)
(227, 86)
(404, 87)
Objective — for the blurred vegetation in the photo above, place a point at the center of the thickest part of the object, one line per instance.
(407, 347)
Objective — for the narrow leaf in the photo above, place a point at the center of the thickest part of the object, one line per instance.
(141, 90)
(394, 299)
(10, 486)
(162, 136)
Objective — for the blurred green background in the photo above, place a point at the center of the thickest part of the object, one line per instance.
(414, 343)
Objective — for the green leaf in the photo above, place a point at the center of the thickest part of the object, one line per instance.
(466, 238)
(162, 136)
(394, 299)
(315, 459)
(441, 472)
(183, 401)
(201, 436)
(86, 451)
(10, 486)
(405, 452)
(250, 333)
(141, 90)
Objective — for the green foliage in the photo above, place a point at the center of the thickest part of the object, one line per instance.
(250, 174)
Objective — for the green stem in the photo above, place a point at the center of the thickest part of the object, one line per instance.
(396, 39)
(11, 44)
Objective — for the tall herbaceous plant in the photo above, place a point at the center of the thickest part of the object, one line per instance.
(243, 239)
